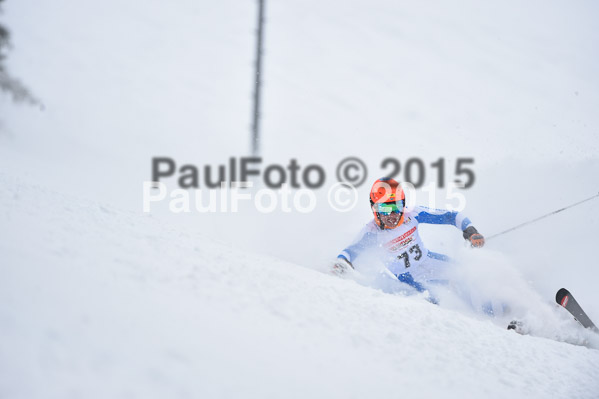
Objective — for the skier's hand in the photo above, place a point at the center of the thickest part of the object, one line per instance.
(341, 266)
(476, 239)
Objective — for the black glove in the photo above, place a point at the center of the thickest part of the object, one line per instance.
(476, 239)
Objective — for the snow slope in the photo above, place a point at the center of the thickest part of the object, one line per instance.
(99, 299)
(98, 302)
(511, 85)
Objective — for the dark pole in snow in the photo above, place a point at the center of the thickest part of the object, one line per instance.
(258, 82)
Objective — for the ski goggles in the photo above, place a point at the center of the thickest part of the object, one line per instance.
(387, 208)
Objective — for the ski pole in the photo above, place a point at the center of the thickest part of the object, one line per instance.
(541, 217)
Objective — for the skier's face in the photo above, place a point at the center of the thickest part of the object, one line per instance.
(391, 220)
(390, 213)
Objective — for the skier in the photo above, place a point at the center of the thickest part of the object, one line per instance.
(393, 234)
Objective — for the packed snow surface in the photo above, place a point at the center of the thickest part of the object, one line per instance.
(99, 299)
(98, 302)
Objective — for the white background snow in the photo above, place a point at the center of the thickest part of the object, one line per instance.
(98, 299)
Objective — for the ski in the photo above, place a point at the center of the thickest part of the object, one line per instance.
(565, 299)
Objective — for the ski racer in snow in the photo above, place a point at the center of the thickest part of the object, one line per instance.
(394, 235)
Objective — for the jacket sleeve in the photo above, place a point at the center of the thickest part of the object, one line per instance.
(365, 239)
(441, 216)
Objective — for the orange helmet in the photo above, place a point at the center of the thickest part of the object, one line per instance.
(387, 196)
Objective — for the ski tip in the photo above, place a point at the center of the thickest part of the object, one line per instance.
(560, 295)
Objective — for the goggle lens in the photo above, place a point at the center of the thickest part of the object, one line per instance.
(388, 208)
